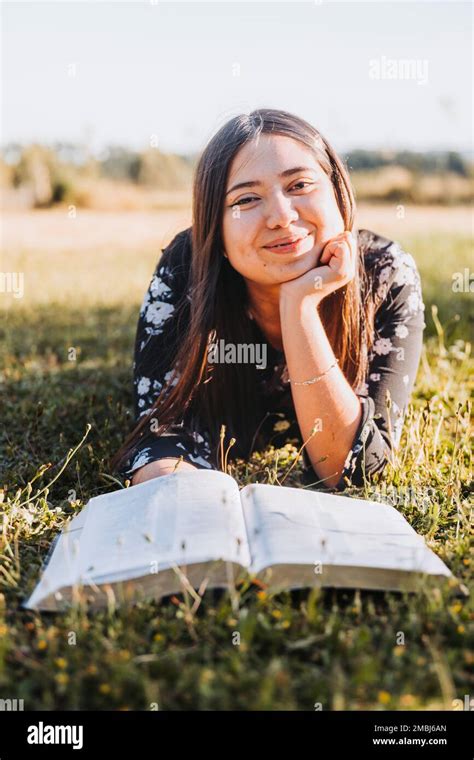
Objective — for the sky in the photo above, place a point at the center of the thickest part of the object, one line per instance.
(367, 74)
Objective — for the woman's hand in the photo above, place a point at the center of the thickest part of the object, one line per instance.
(337, 267)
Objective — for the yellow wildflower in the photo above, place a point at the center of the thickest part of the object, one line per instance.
(384, 697)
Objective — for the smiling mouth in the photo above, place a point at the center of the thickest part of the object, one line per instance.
(283, 245)
(286, 247)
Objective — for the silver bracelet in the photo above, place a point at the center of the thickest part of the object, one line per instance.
(318, 377)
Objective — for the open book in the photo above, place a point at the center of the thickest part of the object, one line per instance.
(198, 528)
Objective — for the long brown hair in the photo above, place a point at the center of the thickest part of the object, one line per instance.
(215, 304)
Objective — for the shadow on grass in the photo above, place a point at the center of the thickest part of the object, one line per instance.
(48, 399)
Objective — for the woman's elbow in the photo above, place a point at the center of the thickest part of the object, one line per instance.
(362, 469)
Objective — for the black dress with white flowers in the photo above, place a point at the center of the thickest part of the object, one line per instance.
(393, 364)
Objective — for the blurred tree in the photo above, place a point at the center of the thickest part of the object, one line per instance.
(120, 163)
(34, 169)
(163, 171)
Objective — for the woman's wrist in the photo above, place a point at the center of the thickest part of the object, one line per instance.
(291, 298)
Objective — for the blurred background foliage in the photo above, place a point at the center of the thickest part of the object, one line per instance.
(118, 178)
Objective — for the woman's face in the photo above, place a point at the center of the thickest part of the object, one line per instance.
(299, 204)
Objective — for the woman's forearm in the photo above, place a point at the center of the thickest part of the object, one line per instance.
(330, 404)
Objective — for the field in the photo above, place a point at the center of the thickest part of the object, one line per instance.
(84, 278)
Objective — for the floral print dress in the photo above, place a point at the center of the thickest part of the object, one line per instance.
(392, 368)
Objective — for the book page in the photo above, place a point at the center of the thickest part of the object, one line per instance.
(295, 526)
(61, 565)
(181, 518)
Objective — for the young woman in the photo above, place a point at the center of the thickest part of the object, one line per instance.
(273, 262)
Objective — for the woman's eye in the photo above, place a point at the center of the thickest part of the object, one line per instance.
(248, 199)
(303, 182)
(239, 202)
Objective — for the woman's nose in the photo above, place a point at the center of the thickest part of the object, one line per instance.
(280, 211)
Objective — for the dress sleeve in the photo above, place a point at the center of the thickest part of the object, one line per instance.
(393, 364)
(155, 344)
(151, 365)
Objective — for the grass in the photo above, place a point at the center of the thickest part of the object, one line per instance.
(330, 649)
